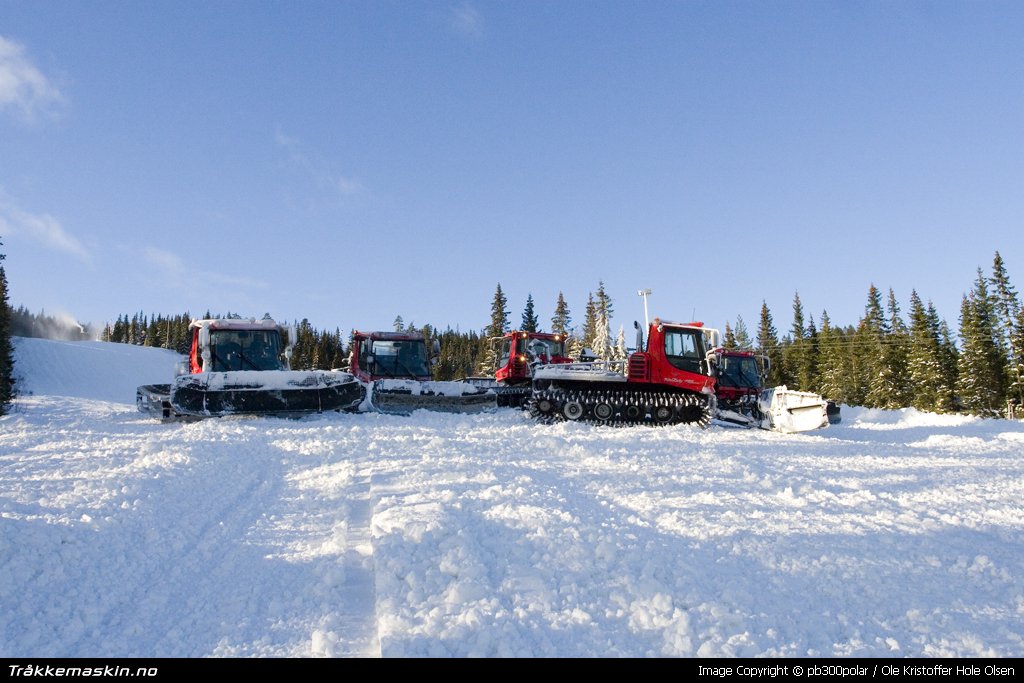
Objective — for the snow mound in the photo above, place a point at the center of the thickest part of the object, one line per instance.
(876, 418)
(94, 370)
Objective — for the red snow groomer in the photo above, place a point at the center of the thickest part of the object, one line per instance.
(242, 367)
(395, 368)
(740, 378)
(670, 381)
(743, 399)
(517, 356)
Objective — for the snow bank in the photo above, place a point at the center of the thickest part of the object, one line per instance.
(490, 535)
(99, 370)
(874, 418)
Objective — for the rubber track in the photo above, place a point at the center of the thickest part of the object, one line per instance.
(618, 407)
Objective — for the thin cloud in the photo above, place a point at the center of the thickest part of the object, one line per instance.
(349, 186)
(317, 169)
(23, 87)
(467, 20)
(168, 262)
(41, 228)
(177, 272)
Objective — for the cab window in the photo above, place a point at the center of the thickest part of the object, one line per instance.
(682, 350)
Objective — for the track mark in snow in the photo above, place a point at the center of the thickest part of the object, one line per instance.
(350, 629)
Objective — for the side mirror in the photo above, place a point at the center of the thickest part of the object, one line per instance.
(437, 347)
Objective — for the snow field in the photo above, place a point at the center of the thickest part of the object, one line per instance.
(894, 533)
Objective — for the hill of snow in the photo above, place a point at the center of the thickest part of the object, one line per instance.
(107, 372)
(894, 533)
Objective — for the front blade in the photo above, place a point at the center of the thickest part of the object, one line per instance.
(272, 392)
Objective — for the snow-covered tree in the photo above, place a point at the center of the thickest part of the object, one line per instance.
(561, 320)
(981, 365)
(891, 386)
(924, 362)
(602, 346)
(1006, 302)
(1008, 313)
(589, 330)
(399, 324)
(499, 314)
(573, 345)
(620, 352)
(602, 340)
(1016, 389)
(869, 343)
(833, 365)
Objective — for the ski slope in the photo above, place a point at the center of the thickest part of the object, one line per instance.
(895, 533)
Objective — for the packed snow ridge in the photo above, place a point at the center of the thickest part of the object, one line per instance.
(895, 533)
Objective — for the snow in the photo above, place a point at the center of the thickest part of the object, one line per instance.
(107, 372)
(893, 533)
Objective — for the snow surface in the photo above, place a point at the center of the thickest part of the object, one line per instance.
(893, 533)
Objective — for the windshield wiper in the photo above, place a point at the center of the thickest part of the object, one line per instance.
(245, 358)
(377, 365)
(406, 368)
(750, 383)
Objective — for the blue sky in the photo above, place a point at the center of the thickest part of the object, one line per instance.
(348, 162)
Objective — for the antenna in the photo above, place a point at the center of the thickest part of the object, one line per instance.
(645, 293)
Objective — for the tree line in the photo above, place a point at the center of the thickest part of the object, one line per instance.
(888, 361)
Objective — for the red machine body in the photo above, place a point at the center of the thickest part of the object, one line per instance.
(389, 355)
(519, 352)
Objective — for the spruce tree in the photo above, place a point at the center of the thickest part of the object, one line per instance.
(561, 320)
(499, 314)
(832, 366)
(573, 345)
(924, 361)
(620, 352)
(1008, 310)
(589, 331)
(6, 346)
(768, 345)
(981, 365)
(812, 354)
(602, 346)
(729, 342)
(1015, 391)
(796, 353)
(743, 340)
(530, 321)
(602, 343)
(893, 376)
(399, 324)
(1006, 303)
(949, 358)
(872, 378)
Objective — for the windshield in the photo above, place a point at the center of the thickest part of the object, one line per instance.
(400, 359)
(542, 350)
(232, 350)
(740, 371)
